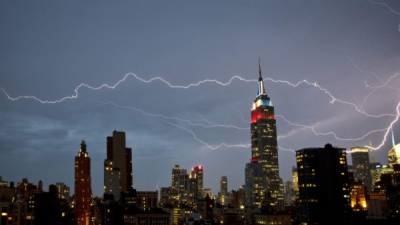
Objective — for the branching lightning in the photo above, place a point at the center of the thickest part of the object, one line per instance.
(386, 6)
(208, 124)
(332, 100)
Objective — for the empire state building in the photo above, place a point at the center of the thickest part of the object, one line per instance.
(264, 147)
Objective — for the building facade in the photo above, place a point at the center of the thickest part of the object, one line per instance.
(324, 195)
(83, 190)
(118, 165)
(361, 166)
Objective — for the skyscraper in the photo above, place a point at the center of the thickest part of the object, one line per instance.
(224, 185)
(223, 193)
(117, 165)
(361, 166)
(324, 195)
(197, 174)
(83, 190)
(264, 144)
(394, 153)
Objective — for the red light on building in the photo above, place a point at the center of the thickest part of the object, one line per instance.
(254, 159)
(259, 114)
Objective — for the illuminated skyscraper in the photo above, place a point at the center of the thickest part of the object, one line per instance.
(83, 190)
(394, 153)
(264, 144)
(223, 194)
(117, 166)
(197, 174)
(361, 166)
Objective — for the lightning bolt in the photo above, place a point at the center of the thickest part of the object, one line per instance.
(332, 100)
(206, 124)
(386, 6)
(313, 129)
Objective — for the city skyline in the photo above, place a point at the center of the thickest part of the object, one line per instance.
(160, 121)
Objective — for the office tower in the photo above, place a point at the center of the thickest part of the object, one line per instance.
(117, 165)
(324, 196)
(179, 181)
(223, 193)
(255, 184)
(264, 144)
(62, 191)
(295, 181)
(224, 185)
(394, 153)
(83, 190)
(289, 193)
(361, 166)
(197, 175)
(165, 197)
(176, 171)
(358, 199)
(377, 171)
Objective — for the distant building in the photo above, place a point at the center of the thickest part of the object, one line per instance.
(83, 190)
(324, 196)
(62, 191)
(118, 165)
(361, 166)
(394, 153)
(165, 197)
(50, 210)
(197, 176)
(223, 197)
(255, 184)
(289, 193)
(377, 170)
(295, 181)
(268, 219)
(147, 200)
(358, 197)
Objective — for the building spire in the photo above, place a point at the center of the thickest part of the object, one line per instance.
(83, 146)
(261, 89)
(259, 70)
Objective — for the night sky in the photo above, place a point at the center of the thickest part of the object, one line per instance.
(47, 48)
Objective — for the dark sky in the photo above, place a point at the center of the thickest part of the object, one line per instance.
(47, 48)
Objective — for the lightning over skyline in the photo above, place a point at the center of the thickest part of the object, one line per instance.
(182, 85)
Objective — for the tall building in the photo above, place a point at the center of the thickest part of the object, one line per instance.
(62, 191)
(223, 185)
(223, 193)
(197, 174)
(394, 153)
(117, 165)
(324, 195)
(83, 190)
(264, 144)
(179, 182)
(361, 166)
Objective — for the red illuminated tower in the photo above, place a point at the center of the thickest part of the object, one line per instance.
(83, 190)
(264, 147)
